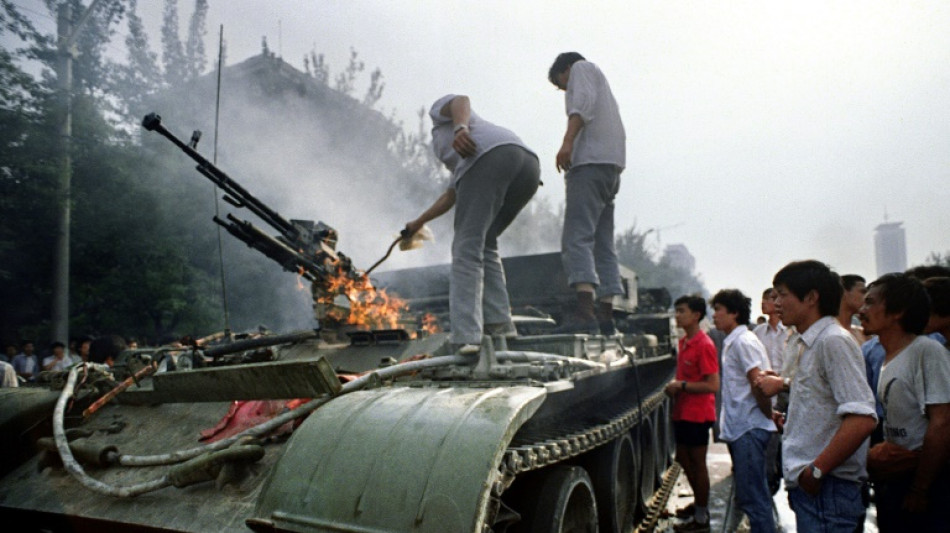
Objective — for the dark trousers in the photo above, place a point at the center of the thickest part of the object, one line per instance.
(891, 518)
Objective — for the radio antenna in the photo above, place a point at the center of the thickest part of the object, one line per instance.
(217, 109)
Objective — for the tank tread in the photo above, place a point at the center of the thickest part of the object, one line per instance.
(552, 450)
(658, 501)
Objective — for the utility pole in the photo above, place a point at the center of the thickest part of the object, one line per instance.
(65, 48)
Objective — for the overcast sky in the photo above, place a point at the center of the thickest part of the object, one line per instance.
(757, 132)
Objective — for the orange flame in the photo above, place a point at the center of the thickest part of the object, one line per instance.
(430, 324)
(369, 306)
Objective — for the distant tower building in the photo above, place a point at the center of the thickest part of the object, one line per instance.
(890, 248)
(679, 257)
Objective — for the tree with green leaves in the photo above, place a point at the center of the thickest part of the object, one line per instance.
(316, 66)
(345, 81)
(936, 258)
(195, 61)
(173, 54)
(127, 276)
(140, 75)
(633, 252)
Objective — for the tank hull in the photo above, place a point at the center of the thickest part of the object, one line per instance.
(358, 447)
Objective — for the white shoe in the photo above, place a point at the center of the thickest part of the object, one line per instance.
(469, 349)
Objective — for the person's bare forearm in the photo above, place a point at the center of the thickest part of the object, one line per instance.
(935, 452)
(852, 432)
(445, 202)
(709, 385)
(563, 158)
(761, 400)
(574, 126)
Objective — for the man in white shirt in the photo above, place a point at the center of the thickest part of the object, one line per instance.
(25, 363)
(746, 418)
(774, 336)
(851, 302)
(914, 388)
(772, 333)
(593, 153)
(494, 176)
(58, 361)
(831, 408)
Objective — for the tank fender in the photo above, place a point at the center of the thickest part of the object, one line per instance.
(396, 459)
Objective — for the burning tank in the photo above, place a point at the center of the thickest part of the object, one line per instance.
(351, 428)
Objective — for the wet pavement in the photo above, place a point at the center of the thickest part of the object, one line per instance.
(721, 519)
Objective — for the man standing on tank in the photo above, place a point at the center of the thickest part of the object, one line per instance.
(593, 154)
(494, 175)
(694, 408)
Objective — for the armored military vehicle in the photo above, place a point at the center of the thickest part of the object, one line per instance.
(352, 428)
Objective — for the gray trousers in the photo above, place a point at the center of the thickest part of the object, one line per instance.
(587, 243)
(488, 197)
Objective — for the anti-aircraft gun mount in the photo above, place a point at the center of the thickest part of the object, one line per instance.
(302, 247)
(537, 432)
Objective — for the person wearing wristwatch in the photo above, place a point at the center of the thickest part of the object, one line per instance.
(830, 410)
(694, 408)
(494, 175)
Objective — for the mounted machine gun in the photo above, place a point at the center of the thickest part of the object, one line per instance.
(301, 246)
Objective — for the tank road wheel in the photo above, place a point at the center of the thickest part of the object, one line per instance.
(565, 503)
(614, 471)
(648, 450)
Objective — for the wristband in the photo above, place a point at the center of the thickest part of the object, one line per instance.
(459, 127)
(684, 386)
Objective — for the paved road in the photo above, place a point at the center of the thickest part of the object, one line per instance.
(720, 478)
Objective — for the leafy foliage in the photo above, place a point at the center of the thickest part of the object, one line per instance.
(935, 258)
(144, 252)
(173, 54)
(195, 47)
(632, 251)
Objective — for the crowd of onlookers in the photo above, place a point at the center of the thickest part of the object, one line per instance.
(842, 390)
(23, 363)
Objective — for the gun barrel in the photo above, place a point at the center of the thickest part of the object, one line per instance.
(287, 257)
(153, 122)
(300, 246)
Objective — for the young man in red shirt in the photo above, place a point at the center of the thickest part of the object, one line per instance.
(694, 407)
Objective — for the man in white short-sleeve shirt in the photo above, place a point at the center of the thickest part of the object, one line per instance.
(772, 333)
(914, 389)
(746, 416)
(831, 407)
